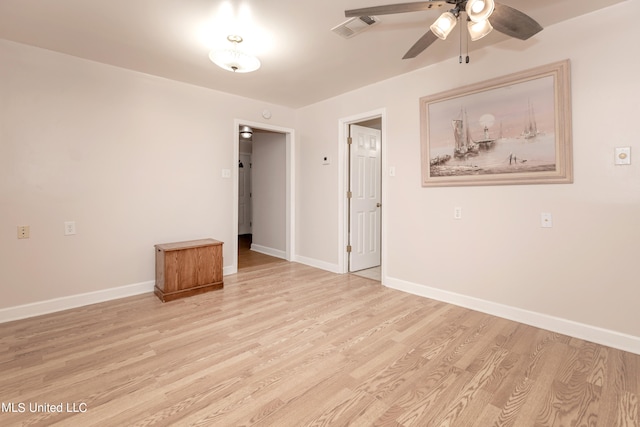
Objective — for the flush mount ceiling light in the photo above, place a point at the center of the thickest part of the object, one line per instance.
(233, 59)
(246, 132)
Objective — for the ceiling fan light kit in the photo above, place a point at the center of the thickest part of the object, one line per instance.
(479, 10)
(444, 24)
(504, 19)
(233, 59)
(478, 30)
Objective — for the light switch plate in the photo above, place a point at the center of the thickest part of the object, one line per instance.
(623, 155)
(226, 173)
(546, 221)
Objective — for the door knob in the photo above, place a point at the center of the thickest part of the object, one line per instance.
(378, 204)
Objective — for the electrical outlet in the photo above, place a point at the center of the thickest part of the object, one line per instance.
(69, 228)
(23, 232)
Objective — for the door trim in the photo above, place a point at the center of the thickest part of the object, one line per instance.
(289, 191)
(343, 185)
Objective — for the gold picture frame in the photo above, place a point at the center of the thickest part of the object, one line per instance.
(514, 129)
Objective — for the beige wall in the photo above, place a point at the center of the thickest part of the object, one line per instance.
(581, 270)
(135, 160)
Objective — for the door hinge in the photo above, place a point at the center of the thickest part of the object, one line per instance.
(349, 194)
(349, 249)
(349, 140)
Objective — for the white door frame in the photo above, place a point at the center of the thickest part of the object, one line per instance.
(290, 186)
(343, 185)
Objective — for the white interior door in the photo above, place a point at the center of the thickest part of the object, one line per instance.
(365, 201)
(244, 194)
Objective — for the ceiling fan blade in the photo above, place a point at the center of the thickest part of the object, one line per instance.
(419, 46)
(395, 8)
(513, 23)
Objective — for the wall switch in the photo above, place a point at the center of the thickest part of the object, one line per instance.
(392, 171)
(545, 220)
(23, 232)
(457, 213)
(623, 155)
(226, 173)
(69, 228)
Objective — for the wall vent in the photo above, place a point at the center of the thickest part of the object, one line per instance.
(353, 26)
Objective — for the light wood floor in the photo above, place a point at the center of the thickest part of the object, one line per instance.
(249, 258)
(288, 345)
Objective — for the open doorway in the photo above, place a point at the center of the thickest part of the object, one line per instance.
(264, 190)
(363, 147)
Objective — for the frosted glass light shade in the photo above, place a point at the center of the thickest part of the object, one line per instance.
(443, 25)
(234, 60)
(479, 10)
(478, 30)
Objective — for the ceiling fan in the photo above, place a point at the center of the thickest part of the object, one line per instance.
(504, 19)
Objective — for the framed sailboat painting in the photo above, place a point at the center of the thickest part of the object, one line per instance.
(510, 130)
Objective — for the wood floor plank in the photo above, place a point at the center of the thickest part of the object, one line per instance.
(283, 344)
(421, 399)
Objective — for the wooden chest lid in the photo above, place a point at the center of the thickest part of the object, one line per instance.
(189, 244)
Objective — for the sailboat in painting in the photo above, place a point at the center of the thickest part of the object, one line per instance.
(464, 145)
(531, 127)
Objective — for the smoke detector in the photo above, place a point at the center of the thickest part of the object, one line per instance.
(353, 26)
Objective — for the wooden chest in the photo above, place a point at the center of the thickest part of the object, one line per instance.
(188, 268)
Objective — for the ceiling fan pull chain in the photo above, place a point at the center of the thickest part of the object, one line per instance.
(467, 59)
(460, 43)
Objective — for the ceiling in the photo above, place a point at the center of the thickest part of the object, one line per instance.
(303, 61)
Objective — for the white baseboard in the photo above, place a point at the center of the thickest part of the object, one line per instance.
(594, 334)
(73, 301)
(269, 251)
(322, 265)
(64, 303)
